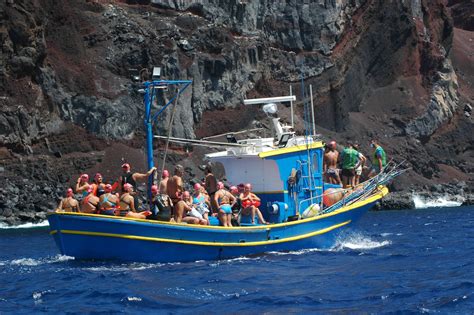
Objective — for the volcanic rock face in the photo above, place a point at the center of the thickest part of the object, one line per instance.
(378, 69)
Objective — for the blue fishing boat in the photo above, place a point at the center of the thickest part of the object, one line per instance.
(286, 172)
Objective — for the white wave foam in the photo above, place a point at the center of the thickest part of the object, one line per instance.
(37, 262)
(28, 225)
(422, 202)
(37, 296)
(359, 242)
(123, 267)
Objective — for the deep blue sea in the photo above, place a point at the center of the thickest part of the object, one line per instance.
(418, 261)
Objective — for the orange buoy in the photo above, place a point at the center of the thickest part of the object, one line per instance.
(332, 195)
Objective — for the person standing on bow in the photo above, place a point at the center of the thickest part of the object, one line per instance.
(379, 158)
(330, 170)
(68, 204)
(164, 182)
(360, 167)
(350, 161)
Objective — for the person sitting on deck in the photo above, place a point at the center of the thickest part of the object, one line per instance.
(82, 185)
(250, 203)
(193, 216)
(68, 204)
(226, 201)
(127, 205)
(182, 209)
(237, 207)
(108, 202)
(98, 187)
(90, 203)
(161, 205)
(201, 202)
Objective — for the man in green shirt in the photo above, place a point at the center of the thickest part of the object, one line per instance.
(350, 160)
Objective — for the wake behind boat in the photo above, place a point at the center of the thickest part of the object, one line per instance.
(287, 174)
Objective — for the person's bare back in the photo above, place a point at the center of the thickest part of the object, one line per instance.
(330, 159)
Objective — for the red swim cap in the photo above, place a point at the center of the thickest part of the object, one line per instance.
(108, 188)
(165, 174)
(127, 186)
(126, 165)
(154, 189)
(197, 186)
(332, 144)
(69, 192)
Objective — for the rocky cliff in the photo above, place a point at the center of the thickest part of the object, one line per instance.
(401, 71)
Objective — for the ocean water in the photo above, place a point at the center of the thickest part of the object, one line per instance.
(418, 261)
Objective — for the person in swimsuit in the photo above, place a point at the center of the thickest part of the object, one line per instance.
(108, 202)
(82, 185)
(161, 205)
(127, 205)
(164, 182)
(68, 204)
(226, 201)
(98, 187)
(175, 189)
(210, 184)
(249, 198)
(90, 203)
(237, 208)
(330, 170)
(201, 202)
(193, 216)
(128, 177)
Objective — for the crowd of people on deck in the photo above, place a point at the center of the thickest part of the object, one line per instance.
(347, 168)
(169, 200)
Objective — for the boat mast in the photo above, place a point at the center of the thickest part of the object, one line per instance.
(150, 118)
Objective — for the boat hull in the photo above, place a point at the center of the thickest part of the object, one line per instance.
(86, 236)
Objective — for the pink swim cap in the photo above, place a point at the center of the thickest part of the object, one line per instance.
(234, 189)
(165, 174)
(108, 188)
(85, 177)
(69, 192)
(186, 194)
(220, 185)
(248, 185)
(127, 186)
(197, 186)
(154, 189)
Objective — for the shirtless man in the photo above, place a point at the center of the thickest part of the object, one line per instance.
(248, 197)
(210, 185)
(330, 164)
(90, 203)
(174, 187)
(127, 205)
(108, 202)
(226, 201)
(68, 204)
(164, 182)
